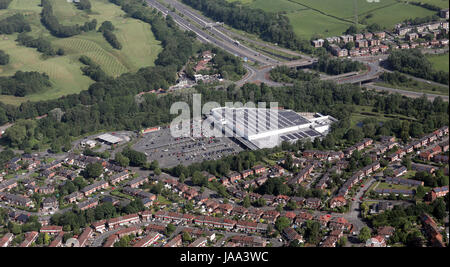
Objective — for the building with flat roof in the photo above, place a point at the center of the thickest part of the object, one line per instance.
(109, 139)
(266, 128)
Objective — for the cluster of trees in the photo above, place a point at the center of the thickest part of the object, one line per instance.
(93, 70)
(89, 25)
(14, 23)
(50, 21)
(395, 78)
(272, 27)
(75, 219)
(228, 66)
(136, 158)
(439, 179)
(290, 75)
(42, 44)
(24, 83)
(415, 63)
(405, 219)
(335, 66)
(4, 58)
(4, 4)
(84, 5)
(107, 29)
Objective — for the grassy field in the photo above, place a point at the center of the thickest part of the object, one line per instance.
(332, 17)
(140, 49)
(440, 62)
(439, 3)
(307, 23)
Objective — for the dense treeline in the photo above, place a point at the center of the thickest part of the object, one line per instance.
(23, 83)
(415, 63)
(289, 75)
(228, 66)
(4, 58)
(42, 44)
(111, 38)
(272, 27)
(107, 29)
(14, 23)
(93, 70)
(4, 4)
(336, 66)
(106, 25)
(89, 25)
(50, 21)
(84, 5)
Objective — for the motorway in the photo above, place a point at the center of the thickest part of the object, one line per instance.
(223, 42)
(208, 32)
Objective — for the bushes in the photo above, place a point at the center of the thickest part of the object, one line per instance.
(111, 38)
(15, 23)
(92, 69)
(43, 45)
(4, 58)
(51, 22)
(23, 83)
(84, 5)
(107, 27)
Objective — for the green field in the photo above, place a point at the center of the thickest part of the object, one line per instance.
(440, 62)
(308, 23)
(140, 49)
(439, 3)
(325, 18)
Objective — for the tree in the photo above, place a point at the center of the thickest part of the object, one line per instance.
(170, 229)
(4, 58)
(154, 165)
(342, 242)
(439, 209)
(246, 202)
(186, 237)
(364, 234)
(282, 223)
(420, 193)
(137, 159)
(121, 160)
(182, 178)
(93, 170)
